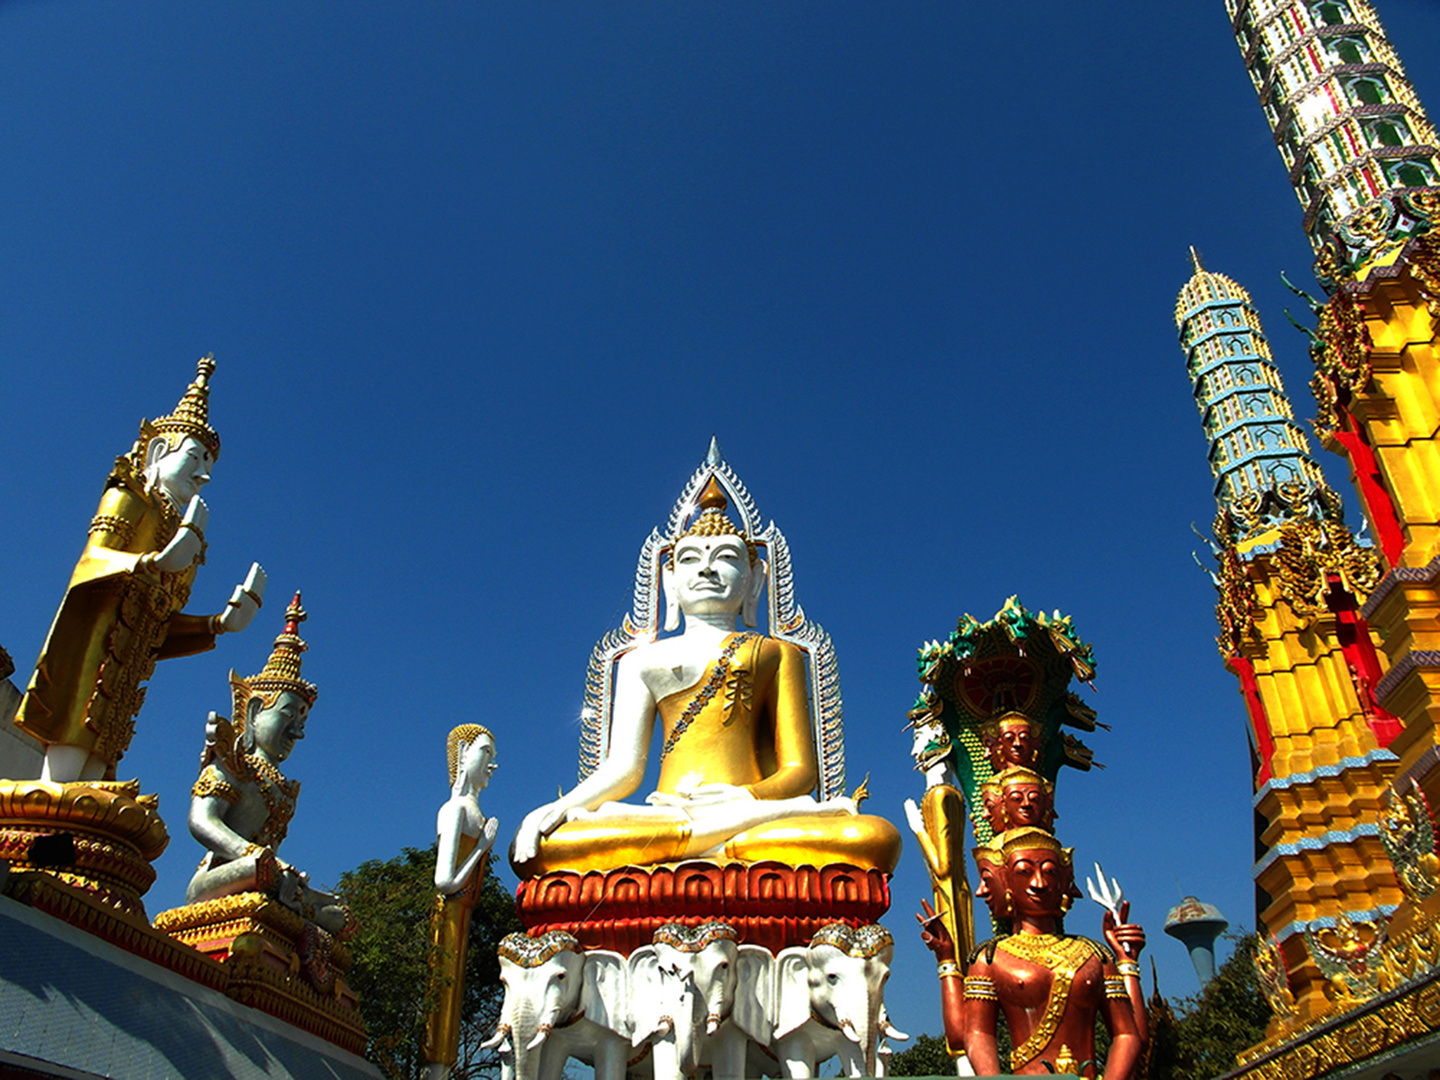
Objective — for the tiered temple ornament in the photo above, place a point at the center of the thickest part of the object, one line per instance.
(749, 824)
(996, 694)
(464, 839)
(76, 825)
(279, 940)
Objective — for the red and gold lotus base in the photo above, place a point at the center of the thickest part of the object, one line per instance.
(771, 904)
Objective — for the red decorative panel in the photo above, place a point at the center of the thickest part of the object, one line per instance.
(769, 903)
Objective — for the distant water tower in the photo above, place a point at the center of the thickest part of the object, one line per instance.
(1197, 925)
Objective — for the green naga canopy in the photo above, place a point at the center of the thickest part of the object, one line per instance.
(1017, 662)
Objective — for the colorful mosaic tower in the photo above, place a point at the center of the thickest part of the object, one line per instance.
(1299, 594)
(1255, 444)
(1291, 579)
(1359, 148)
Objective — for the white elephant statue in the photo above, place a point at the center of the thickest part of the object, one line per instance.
(701, 999)
(561, 1003)
(830, 1000)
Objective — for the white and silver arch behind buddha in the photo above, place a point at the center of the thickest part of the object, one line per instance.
(786, 617)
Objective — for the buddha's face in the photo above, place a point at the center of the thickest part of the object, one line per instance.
(280, 726)
(713, 574)
(183, 471)
(477, 763)
(1039, 882)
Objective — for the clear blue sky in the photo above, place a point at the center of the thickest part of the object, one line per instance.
(483, 279)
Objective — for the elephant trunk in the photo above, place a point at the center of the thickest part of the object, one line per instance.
(525, 1038)
(860, 1028)
(717, 1007)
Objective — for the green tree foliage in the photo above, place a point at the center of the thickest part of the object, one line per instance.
(393, 900)
(1226, 1017)
(926, 1057)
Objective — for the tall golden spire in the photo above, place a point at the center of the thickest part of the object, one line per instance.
(192, 416)
(282, 670)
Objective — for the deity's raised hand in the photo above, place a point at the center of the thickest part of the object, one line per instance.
(189, 540)
(1125, 938)
(244, 602)
(934, 934)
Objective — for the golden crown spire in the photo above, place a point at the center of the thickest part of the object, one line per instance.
(192, 416)
(282, 670)
(712, 521)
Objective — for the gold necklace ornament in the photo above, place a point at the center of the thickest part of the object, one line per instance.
(1063, 957)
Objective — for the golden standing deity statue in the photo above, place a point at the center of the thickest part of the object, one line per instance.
(122, 611)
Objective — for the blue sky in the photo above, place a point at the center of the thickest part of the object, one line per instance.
(482, 281)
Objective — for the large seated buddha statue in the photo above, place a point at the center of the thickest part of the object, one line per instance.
(750, 756)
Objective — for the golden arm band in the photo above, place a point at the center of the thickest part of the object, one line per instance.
(1115, 987)
(980, 988)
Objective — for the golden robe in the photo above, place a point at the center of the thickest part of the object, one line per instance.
(115, 622)
(449, 938)
(745, 723)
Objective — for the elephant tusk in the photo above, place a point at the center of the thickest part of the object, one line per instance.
(712, 1023)
(540, 1033)
(847, 1027)
(501, 1030)
(890, 1032)
(665, 1026)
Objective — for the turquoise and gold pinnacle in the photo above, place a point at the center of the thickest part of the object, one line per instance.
(1354, 137)
(1255, 444)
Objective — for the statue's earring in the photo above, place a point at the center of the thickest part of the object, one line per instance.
(751, 608)
(667, 590)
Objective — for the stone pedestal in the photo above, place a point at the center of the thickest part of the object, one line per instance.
(274, 961)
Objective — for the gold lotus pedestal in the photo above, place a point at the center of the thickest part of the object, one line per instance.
(82, 852)
(274, 961)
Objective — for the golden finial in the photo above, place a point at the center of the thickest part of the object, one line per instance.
(192, 416)
(711, 519)
(713, 497)
(282, 670)
(862, 792)
(1195, 259)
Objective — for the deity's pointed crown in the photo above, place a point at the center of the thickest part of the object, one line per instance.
(1015, 776)
(282, 670)
(192, 416)
(712, 520)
